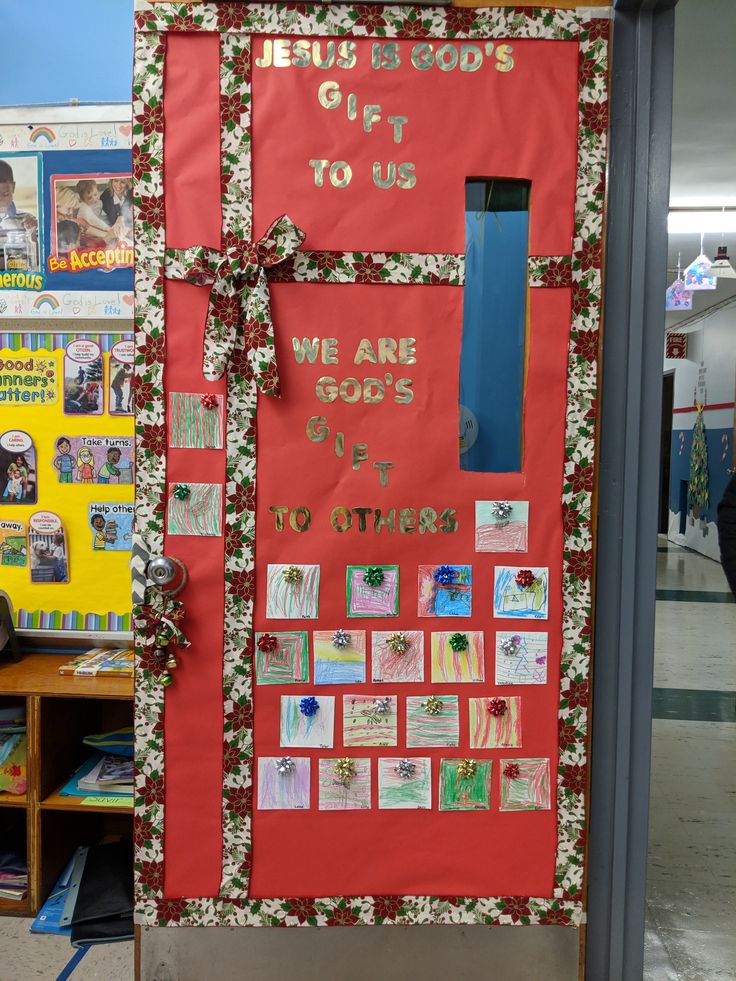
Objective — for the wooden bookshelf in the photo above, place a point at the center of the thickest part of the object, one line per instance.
(57, 802)
(60, 711)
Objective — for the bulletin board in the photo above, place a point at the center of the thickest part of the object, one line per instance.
(387, 656)
(70, 460)
(66, 219)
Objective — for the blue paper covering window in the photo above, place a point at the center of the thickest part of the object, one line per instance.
(494, 325)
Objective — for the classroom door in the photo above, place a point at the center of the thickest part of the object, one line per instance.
(368, 704)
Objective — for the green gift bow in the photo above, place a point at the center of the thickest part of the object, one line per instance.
(239, 297)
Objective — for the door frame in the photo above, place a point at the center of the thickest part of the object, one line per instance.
(635, 276)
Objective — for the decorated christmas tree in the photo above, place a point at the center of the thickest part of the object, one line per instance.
(697, 488)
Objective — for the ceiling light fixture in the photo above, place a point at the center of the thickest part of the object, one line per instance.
(684, 221)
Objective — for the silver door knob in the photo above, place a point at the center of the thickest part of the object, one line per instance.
(167, 575)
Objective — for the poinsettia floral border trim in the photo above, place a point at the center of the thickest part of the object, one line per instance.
(150, 434)
(393, 268)
(361, 20)
(549, 271)
(566, 905)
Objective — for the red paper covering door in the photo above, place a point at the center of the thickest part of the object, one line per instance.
(349, 385)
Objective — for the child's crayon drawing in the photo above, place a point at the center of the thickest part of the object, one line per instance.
(465, 793)
(290, 596)
(339, 665)
(365, 600)
(426, 729)
(495, 731)
(314, 731)
(400, 792)
(194, 423)
(369, 720)
(514, 599)
(445, 590)
(521, 658)
(283, 660)
(287, 791)
(450, 665)
(390, 663)
(199, 513)
(344, 795)
(501, 526)
(525, 785)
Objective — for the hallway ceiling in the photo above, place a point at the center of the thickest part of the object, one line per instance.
(703, 133)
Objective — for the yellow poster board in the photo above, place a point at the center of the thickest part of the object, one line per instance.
(79, 577)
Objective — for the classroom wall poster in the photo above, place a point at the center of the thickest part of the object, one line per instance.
(84, 392)
(13, 543)
(66, 245)
(29, 380)
(64, 464)
(18, 470)
(111, 526)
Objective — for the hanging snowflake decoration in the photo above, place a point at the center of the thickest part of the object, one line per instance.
(444, 575)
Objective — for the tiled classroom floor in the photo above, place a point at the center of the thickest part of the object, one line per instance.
(691, 896)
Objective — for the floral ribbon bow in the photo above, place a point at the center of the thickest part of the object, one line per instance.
(239, 297)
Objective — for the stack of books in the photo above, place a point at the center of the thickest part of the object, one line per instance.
(111, 775)
(101, 661)
(103, 775)
(13, 749)
(13, 876)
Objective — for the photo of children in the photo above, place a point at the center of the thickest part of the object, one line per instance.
(19, 212)
(47, 548)
(17, 468)
(83, 374)
(94, 459)
(92, 212)
(111, 526)
(120, 398)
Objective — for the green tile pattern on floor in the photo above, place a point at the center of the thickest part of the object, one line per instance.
(693, 705)
(694, 596)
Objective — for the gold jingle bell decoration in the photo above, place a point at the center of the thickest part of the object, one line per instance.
(466, 769)
(345, 770)
(171, 662)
